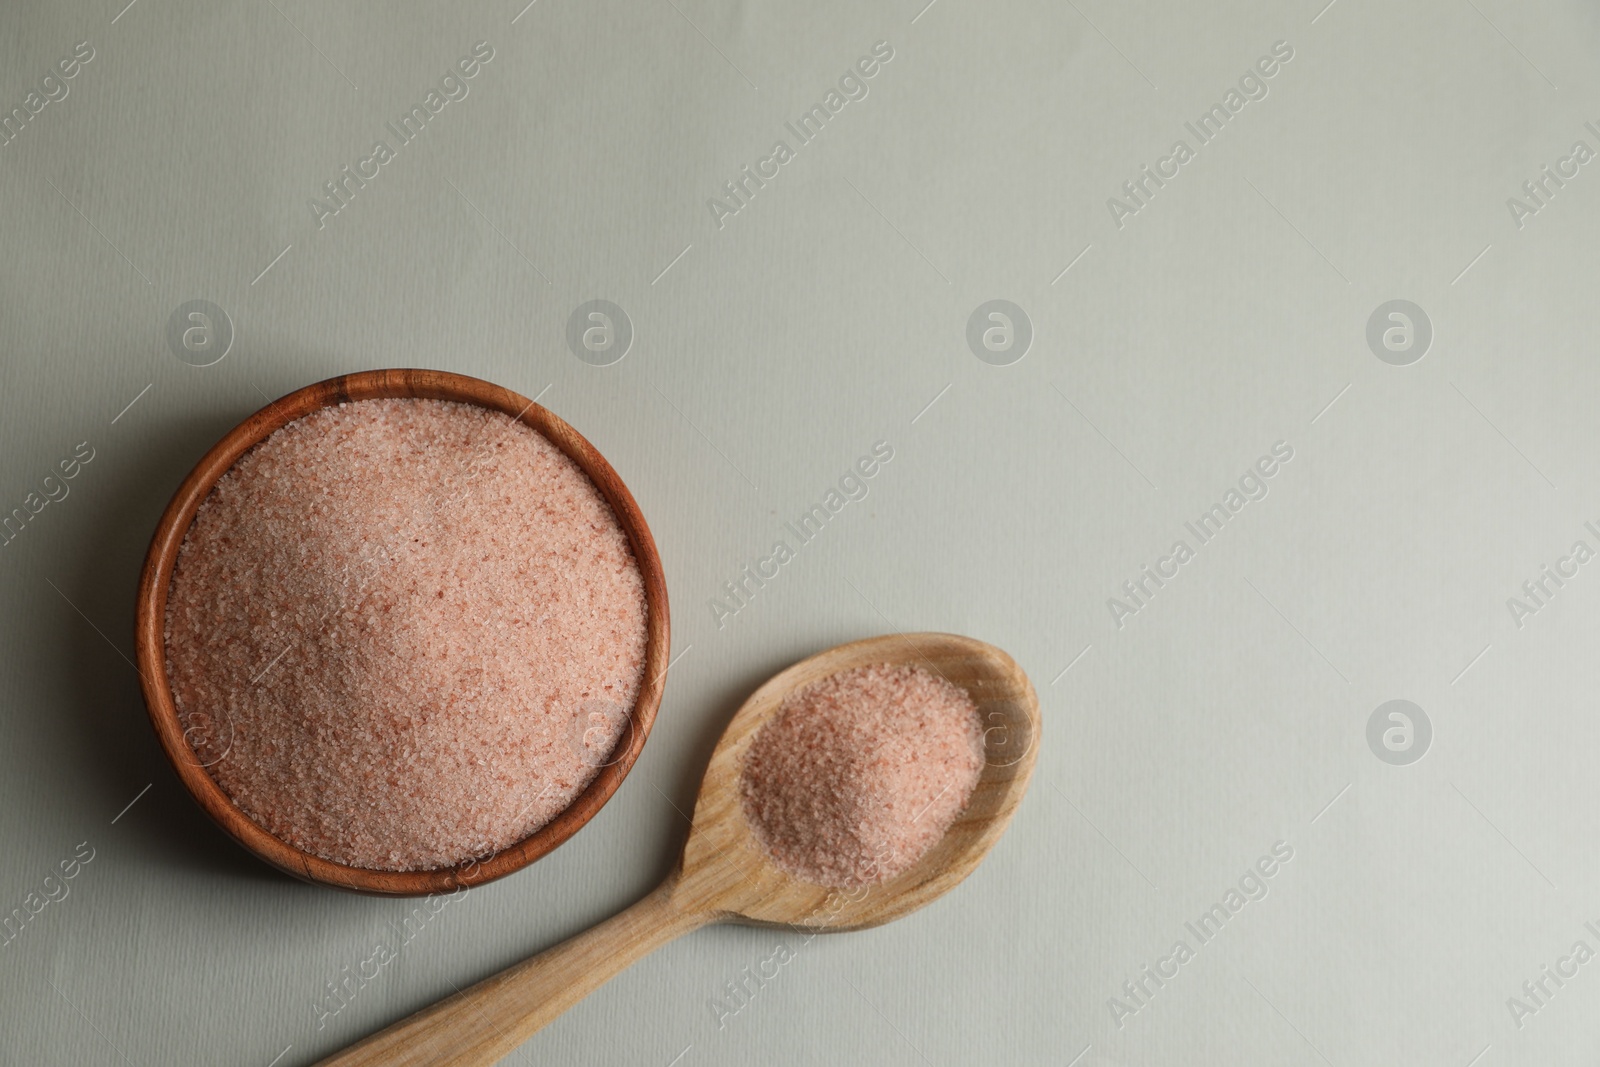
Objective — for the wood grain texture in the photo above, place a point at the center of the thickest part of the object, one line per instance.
(725, 876)
(156, 580)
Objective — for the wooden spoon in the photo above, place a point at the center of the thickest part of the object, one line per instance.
(726, 876)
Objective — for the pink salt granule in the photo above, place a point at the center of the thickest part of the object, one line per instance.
(403, 634)
(859, 774)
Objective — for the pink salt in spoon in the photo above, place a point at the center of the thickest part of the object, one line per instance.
(725, 875)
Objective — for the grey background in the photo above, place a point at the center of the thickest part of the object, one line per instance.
(1227, 315)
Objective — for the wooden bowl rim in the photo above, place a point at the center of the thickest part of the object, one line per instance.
(156, 578)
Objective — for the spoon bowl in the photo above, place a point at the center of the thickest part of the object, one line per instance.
(726, 876)
(725, 867)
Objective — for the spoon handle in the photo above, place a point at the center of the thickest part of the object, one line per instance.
(482, 1024)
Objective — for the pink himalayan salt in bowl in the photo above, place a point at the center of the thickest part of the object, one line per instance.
(408, 636)
(861, 773)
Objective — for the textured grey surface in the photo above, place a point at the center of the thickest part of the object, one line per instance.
(771, 348)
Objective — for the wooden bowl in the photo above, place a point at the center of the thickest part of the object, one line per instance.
(156, 579)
